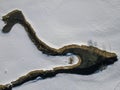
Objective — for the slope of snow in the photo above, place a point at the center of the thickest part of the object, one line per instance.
(58, 23)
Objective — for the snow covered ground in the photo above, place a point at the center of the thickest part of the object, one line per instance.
(58, 23)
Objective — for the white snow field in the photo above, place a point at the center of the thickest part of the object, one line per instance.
(59, 23)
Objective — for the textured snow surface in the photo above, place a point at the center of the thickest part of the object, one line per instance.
(59, 23)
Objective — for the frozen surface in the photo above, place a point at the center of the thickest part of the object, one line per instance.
(58, 23)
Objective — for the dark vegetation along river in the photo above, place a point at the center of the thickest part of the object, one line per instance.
(90, 59)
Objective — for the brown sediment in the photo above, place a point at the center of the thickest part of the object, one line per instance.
(5, 87)
(90, 58)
